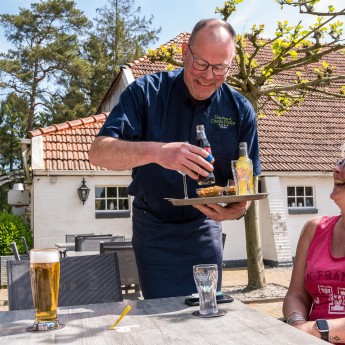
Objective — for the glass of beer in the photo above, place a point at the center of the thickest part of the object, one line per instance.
(45, 280)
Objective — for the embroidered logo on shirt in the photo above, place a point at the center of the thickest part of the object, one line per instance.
(222, 121)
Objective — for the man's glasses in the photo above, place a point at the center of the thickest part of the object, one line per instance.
(202, 65)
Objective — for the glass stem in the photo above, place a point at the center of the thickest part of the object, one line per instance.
(185, 186)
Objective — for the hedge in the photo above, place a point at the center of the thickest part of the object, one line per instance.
(12, 229)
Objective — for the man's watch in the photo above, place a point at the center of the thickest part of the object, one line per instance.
(322, 327)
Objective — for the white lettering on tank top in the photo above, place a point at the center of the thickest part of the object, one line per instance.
(336, 303)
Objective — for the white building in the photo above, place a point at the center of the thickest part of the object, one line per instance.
(298, 151)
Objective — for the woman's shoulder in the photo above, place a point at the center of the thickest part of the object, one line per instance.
(310, 227)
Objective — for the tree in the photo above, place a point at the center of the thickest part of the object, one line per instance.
(297, 51)
(58, 69)
(12, 229)
(13, 121)
(120, 35)
(46, 54)
(13, 112)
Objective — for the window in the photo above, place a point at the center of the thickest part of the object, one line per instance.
(111, 202)
(300, 199)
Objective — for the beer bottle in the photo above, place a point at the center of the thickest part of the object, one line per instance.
(246, 185)
(202, 141)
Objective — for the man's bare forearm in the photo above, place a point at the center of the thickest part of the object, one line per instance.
(117, 155)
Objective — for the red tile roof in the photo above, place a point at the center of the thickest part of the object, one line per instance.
(307, 138)
(66, 145)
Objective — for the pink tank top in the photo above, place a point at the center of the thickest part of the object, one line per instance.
(325, 275)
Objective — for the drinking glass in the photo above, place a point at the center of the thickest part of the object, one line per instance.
(45, 280)
(206, 277)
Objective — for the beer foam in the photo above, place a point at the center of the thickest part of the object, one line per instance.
(44, 257)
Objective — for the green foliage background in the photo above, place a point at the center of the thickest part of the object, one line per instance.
(12, 228)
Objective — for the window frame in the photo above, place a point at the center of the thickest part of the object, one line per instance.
(112, 213)
(300, 195)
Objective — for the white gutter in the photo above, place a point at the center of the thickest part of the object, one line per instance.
(298, 173)
(81, 173)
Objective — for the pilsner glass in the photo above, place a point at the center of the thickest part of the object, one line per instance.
(45, 280)
(206, 278)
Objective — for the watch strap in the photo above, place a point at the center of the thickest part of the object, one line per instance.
(324, 335)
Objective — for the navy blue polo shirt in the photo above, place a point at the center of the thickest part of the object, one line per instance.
(158, 107)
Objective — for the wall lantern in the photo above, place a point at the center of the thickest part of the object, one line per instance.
(83, 192)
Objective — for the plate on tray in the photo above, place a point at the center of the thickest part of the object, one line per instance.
(226, 199)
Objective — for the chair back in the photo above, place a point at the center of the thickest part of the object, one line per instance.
(19, 285)
(83, 280)
(127, 262)
(15, 250)
(71, 238)
(91, 243)
(25, 247)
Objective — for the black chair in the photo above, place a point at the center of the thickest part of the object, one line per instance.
(83, 280)
(91, 243)
(127, 263)
(71, 238)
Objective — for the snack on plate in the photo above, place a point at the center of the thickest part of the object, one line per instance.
(215, 191)
(229, 190)
(210, 191)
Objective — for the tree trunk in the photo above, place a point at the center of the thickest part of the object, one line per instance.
(255, 264)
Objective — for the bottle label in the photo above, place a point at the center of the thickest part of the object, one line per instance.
(208, 150)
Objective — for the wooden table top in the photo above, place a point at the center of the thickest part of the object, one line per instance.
(156, 321)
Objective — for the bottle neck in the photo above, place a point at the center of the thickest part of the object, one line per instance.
(200, 135)
(200, 132)
(243, 153)
(201, 139)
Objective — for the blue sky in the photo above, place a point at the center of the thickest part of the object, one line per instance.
(179, 16)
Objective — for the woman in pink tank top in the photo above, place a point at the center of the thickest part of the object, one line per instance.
(315, 301)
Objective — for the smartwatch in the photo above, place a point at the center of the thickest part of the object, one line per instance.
(322, 327)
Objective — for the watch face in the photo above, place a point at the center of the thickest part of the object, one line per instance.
(322, 325)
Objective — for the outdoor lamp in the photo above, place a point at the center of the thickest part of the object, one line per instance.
(83, 192)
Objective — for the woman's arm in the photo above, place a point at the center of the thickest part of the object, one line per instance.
(297, 301)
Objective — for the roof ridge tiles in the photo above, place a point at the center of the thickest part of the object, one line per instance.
(178, 38)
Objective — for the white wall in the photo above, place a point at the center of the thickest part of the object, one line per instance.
(235, 243)
(58, 210)
(126, 77)
(235, 247)
(322, 186)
